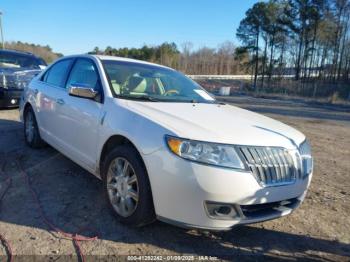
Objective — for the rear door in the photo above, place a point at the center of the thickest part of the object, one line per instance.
(50, 91)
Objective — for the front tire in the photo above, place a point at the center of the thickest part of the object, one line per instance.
(127, 188)
(31, 130)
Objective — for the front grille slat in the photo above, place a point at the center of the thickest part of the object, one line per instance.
(265, 165)
(291, 164)
(286, 166)
(259, 164)
(276, 164)
(270, 165)
(250, 162)
(279, 164)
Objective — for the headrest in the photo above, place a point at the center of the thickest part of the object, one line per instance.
(134, 82)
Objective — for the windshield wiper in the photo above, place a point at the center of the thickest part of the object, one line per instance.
(141, 98)
(194, 101)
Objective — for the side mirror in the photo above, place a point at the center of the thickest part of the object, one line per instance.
(81, 90)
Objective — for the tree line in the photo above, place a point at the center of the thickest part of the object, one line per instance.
(306, 39)
(290, 46)
(45, 52)
(222, 60)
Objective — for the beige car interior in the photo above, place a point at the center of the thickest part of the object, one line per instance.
(136, 85)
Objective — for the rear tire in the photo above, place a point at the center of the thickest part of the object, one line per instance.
(126, 187)
(31, 130)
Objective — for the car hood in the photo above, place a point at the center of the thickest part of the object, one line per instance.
(219, 123)
(12, 70)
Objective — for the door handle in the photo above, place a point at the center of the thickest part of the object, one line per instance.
(60, 101)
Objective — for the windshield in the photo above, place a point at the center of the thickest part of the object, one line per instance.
(152, 83)
(12, 60)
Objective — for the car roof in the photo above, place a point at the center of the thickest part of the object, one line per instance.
(10, 51)
(22, 53)
(112, 58)
(124, 59)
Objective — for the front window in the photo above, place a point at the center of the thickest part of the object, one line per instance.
(12, 60)
(84, 73)
(153, 83)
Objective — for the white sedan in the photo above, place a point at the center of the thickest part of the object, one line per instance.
(164, 147)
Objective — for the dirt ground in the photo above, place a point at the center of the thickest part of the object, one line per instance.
(72, 199)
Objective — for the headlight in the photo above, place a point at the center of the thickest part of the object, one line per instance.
(204, 152)
(305, 153)
(21, 84)
(3, 82)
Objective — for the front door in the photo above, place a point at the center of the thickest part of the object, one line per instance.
(50, 91)
(80, 116)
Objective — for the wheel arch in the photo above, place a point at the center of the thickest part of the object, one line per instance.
(112, 142)
(24, 110)
(27, 106)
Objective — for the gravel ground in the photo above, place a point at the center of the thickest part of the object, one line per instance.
(72, 199)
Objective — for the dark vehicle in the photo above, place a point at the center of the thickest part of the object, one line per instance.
(16, 71)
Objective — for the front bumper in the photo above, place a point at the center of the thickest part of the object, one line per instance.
(10, 97)
(182, 188)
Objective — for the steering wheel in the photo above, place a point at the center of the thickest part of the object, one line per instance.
(171, 91)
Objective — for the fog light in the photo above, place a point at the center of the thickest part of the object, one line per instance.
(221, 211)
(13, 101)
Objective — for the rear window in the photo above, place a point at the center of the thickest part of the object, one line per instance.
(57, 73)
(13, 60)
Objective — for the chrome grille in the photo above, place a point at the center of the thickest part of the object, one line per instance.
(271, 166)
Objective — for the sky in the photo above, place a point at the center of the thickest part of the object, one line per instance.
(77, 26)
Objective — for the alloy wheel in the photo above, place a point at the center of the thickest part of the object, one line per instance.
(122, 187)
